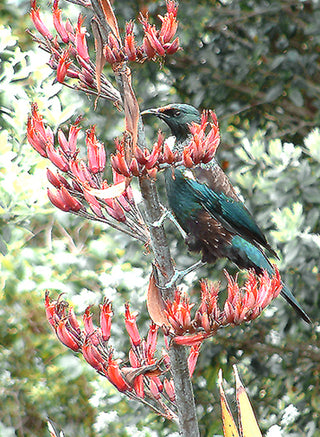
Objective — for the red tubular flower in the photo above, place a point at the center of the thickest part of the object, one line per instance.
(138, 386)
(113, 51)
(141, 156)
(71, 201)
(81, 172)
(37, 21)
(191, 340)
(50, 309)
(66, 337)
(57, 158)
(130, 47)
(151, 35)
(105, 320)
(152, 341)
(81, 43)
(69, 146)
(38, 136)
(57, 22)
(158, 383)
(187, 160)
(114, 375)
(109, 55)
(37, 120)
(154, 156)
(168, 155)
(113, 42)
(172, 7)
(131, 326)
(120, 165)
(169, 388)
(148, 49)
(205, 322)
(202, 146)
(133, 359)
(193, 357)
(57, 180)
(35, 140)
(63, 66)
(116, 211)
(96, 152)
(173, 47)
(92, 355)
(247, 303)
(169, 23)
(73, 321)
(124, 203)
(57, 200)
(87, 321)
(93, 202)
(73, 135)
(179, 313)
(155, 390)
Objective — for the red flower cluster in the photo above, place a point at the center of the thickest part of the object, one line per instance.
(156, 43)
(143, 162)
(243, 304)
(141, 379)
(204, 142)
(202, 146)
(70, 56)
(69, 53)
(86, 188)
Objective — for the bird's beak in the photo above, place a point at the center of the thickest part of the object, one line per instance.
(153, 111)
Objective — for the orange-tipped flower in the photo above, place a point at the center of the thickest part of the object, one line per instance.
(114, 375)
(130, 47)
(57, 22)
(193, 357)
(131, 326)
(38, 136)
(96, 152)
(57, 158)
(63, 65)
(66, 337)
(37, 21)
(81, 42)
(169, 24)
(105, 320)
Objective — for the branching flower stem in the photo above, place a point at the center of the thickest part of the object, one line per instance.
(188, 423)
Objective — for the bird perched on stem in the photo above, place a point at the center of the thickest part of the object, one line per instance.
(206, 206)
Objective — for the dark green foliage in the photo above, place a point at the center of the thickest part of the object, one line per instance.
(253, 61)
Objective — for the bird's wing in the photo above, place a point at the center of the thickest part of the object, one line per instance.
(227, 209)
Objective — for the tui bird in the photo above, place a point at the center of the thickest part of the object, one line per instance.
(207, 207)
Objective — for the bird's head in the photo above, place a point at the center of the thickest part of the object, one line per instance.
(178, 117)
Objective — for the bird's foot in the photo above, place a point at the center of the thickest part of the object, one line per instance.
(168, 214)
(159, 222)
(179, 274)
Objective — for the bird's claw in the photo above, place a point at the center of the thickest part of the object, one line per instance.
(168, 214)
(159, 222)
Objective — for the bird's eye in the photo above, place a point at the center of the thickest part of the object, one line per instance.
(177, 113)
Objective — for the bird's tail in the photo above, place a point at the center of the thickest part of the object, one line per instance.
(289, 297)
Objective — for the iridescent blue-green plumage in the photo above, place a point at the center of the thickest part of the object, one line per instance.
(207, 207)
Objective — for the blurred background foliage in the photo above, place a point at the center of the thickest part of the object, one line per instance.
(257, 64)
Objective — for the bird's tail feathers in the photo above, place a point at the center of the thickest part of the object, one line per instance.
(289, 297)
